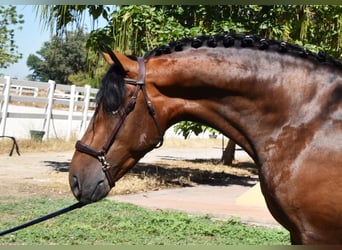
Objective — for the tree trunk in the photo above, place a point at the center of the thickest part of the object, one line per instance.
(229, 153)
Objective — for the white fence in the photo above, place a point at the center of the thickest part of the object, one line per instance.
(47, 102)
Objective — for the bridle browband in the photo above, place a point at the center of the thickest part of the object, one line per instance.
(101, 155)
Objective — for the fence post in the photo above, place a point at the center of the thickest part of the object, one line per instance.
(71, 110)
(48, 110)
(85, 109)
(6, 92)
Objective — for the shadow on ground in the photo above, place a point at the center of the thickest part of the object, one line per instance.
(187, 177)
(59, 166)
(170, 174)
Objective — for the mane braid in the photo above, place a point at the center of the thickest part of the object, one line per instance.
(244, 41)
(112, 91)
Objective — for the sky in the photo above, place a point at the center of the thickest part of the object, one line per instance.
(30, 39)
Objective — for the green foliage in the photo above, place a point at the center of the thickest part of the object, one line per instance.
(185, 128)
(107, 222)
(58, 17)
(9, 21)
(137, 29)
(93, 74)
(60, 58)
(323, 26)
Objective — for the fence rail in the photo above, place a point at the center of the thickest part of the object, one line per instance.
(78, 102)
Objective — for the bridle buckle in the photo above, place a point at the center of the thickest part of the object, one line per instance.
(105, 164)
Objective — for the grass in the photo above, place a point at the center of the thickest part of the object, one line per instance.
(108, 222)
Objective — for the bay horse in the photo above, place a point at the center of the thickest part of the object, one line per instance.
(281, 103)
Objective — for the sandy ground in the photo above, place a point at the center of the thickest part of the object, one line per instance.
(46, 174)
(35, 175)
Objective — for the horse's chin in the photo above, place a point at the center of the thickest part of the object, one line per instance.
(100, 191)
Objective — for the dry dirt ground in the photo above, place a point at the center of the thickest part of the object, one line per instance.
(45, 174)
(35, 175)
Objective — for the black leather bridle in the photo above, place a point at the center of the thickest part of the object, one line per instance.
(101, 155)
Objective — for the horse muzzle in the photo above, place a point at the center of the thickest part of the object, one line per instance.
(89, 185)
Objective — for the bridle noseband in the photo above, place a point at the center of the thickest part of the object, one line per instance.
(101, 155)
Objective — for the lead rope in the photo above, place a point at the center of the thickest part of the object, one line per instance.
(43, 218)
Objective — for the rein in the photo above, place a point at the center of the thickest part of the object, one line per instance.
(101, 155)
(43, 218)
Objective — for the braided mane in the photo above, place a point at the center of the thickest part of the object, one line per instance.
(112, 91)
(244, 41)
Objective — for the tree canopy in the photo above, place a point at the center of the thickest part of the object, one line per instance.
(9, 21)
(138, 28)
(60, 58)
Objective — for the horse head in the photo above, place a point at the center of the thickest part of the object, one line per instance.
(124, 110)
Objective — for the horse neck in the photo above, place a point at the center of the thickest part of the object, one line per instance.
(248, 95)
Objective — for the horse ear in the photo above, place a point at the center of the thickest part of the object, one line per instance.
(107, 58)
(123, 61)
